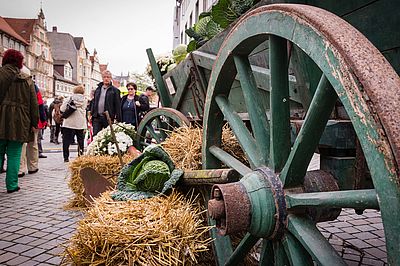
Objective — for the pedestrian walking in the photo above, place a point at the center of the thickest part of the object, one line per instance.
(31, 151)
(19, 113)
(75, 124)
(144, 102)
(106, 98)
(130, 105)
(57, 118)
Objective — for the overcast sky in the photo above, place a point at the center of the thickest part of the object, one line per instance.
(120, 30)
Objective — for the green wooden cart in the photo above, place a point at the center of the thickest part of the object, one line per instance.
(292, 79)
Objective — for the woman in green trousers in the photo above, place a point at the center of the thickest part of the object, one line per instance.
(19, 113)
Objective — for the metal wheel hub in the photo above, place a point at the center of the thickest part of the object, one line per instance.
(255, 204)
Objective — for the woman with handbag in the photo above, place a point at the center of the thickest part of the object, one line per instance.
(74, 114)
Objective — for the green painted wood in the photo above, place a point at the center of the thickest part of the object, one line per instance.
(295, 251)
(280, 257)
(306, 142)
(241, 250)
(257, 114)
(162, 90)
(267, 253)
(261, 75)
(229, 160)
(313, 241)
(150, 129)
(280, 116)
(243, 136)
(356, 199)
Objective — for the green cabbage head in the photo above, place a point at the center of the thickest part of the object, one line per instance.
(152, 176)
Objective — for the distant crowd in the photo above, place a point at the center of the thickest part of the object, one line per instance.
(24, 116)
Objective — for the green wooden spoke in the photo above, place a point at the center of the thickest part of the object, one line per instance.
(267, 253)
(242, 249)
(280, 115)
(357, 199)
(229, 160)
(255, 107)
(313, 241)
(280, 257)
(309, 135)
(295, 251)
(150, 129)
(161, 127)
(242, 134)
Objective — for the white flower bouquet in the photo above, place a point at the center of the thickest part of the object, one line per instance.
(103, 143)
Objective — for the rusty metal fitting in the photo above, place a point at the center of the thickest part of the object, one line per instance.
(230, 207)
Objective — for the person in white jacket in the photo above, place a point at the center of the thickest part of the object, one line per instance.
(75, 124)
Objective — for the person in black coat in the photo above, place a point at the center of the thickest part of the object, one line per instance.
(144, 102)
(130, 106)
(106, 98)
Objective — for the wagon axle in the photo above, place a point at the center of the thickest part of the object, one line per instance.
(257, 203)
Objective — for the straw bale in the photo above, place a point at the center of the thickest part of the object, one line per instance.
(163, 230)
(184, 146)
(106, 165)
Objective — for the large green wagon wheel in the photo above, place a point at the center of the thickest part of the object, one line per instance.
(268, 202)
(157, 124)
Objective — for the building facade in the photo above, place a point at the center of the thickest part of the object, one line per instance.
(38, 57)
(10, 39)
(186, 14)
(95, 70)
(83, 64)
(63, 83)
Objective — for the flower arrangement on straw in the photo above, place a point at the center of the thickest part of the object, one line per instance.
(102, 143)
(163, 230)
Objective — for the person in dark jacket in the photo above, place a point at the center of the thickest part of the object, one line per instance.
(19, 113)
(144, 102)
(106, 98)
(130, 105)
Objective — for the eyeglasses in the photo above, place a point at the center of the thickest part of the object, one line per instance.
(131, 89)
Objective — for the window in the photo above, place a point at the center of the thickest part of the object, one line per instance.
(190, 20)
(196, 12)
(185, 33)
(41, 35)
(5, 41)
(46, 52)
(38, 49)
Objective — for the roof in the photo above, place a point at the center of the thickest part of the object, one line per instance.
(63, 48)
(23, 26)
(78, 42)
(5, 27)
(61, 62)
(58, 76)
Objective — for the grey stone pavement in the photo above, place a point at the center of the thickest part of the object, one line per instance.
(34, 225)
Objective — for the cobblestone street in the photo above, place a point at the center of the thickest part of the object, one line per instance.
(34, 225)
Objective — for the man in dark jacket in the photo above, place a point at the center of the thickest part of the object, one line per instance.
(17, 103)
(144, 102)
(106, 98)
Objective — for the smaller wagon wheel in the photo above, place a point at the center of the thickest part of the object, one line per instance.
(157, 124)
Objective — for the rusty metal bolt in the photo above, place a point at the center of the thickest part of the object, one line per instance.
(217, 194)
(216, 209)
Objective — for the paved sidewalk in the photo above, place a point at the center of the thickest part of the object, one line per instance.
(33, 223)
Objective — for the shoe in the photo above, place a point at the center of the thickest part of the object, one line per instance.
(21, 174)
(13, 190)
(3, 170)
(66, 160)
(51, 141)
(33, 171)
(42, 156)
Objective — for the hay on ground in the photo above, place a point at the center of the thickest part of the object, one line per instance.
(184, 146)
(106, 165)
(156, 231)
